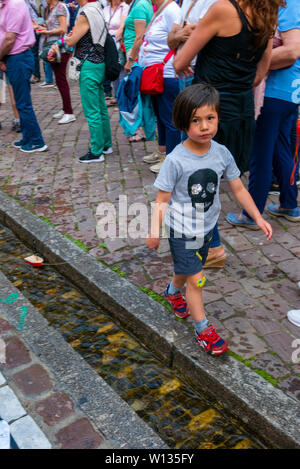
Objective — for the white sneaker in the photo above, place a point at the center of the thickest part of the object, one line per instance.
(58, 115)
(46, 85)
(67, 118)
(294, 317)
(108, 151)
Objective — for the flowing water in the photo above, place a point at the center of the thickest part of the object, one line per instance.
(182, 416)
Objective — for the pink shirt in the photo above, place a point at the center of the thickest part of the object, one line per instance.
(15, 18)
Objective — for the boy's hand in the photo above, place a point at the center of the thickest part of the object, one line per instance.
(265, 227)
(152, 243)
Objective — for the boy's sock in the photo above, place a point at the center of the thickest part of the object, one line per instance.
(172, 290)
(201, 325)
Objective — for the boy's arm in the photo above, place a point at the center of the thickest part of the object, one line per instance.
(245, 200)
(160, 207)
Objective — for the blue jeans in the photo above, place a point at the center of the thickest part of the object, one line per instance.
(272, 145)
(168, 135)
(48, 72)
(19, 71)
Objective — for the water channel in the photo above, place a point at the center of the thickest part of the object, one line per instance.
(181, 415)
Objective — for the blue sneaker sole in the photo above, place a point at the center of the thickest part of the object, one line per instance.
(44, 148)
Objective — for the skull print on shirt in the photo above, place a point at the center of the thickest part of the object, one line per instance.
(202, 187)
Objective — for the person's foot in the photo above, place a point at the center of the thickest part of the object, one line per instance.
(155, 157)
(35, 80)
(294, 317)
(46, 85)
(241, 220)
(58, 115)
(211, 341)
(216, 257)
(18, 143)
(138, 137)
(31, 148)
(291, 214)
(179, 305)
(274, 189)
(67, 118)
(91, 158)
(107, 150)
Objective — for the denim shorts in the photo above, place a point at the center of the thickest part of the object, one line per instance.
(188, 260)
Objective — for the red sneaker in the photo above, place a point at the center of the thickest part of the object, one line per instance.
(211, 341)
(179, 305)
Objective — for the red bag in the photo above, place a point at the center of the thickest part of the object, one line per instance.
(152, 80)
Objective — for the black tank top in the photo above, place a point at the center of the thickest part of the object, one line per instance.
(229, 63)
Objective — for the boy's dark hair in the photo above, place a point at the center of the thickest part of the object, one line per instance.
(191, 98)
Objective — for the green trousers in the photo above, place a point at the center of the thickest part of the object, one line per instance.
(93, 105)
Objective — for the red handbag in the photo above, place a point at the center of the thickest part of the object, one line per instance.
(152, 80)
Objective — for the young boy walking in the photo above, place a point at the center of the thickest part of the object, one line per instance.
(188, 200)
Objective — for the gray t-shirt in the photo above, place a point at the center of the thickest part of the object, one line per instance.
(194, 182)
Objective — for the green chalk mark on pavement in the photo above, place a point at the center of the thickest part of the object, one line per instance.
(22, 318)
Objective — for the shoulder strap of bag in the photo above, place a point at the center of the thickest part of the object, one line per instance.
(193, 3)
(168, 56)
(156, 14)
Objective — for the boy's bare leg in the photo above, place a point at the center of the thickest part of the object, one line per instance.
(179, 280)
(194, 296)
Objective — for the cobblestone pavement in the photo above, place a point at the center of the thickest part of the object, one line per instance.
(32, 405)
(247, 300)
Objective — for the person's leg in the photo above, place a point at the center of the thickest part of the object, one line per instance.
(19, 71)
(267, 130)
(13, 103)
(48, 72)
(104, 116)
(60, 70)
(283, 160)
(35, 50)
(294, 143)
(91, 78)
(165, 103)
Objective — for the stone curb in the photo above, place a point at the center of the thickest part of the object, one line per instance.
(110, 415)
(265, 410)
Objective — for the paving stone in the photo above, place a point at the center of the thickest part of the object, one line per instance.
(28, 435)
(281, 343)
(276, 253)
(291, 268)
(255, 288)
(247, 345)
(291, 386)
(211, 294)
(33, 380)
(236, 240)
(277, 305)
(287, 290)
(10, 407)
(220, 309)
(267, 273)
(55, 408)
(265, 326)
(16, 353)
(240, 300)
(79, 435)
(252, 258)
(238, 325)
(271, 364)
(4, 326)
(226, 285)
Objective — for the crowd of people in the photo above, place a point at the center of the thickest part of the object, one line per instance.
(218, 83)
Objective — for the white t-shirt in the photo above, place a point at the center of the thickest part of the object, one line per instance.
(197, 12)
(155, 45)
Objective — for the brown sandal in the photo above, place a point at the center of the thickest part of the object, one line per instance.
(213, 260)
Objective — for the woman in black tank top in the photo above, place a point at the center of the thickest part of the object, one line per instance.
(233, 64)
